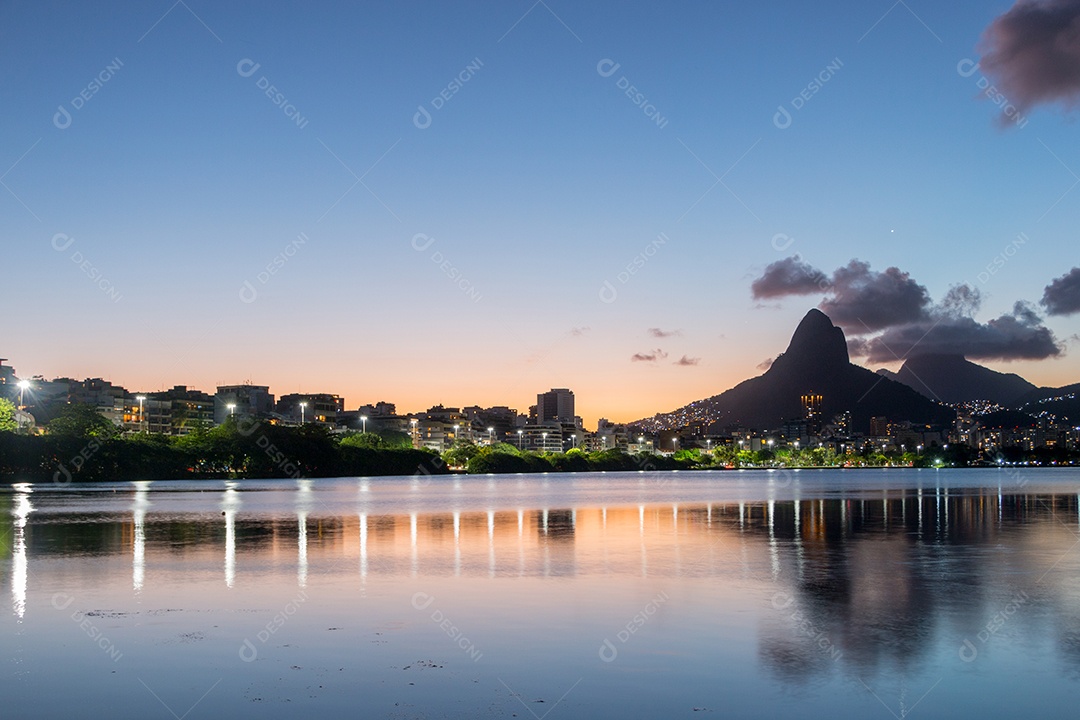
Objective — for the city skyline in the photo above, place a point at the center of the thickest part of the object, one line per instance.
(466, 206)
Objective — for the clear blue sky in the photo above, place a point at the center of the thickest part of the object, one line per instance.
(180, 180)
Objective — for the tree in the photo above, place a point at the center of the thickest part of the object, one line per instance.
(80, 421)
(461, 453)
(7, 416)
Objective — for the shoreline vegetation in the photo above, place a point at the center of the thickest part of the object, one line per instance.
(80, 446)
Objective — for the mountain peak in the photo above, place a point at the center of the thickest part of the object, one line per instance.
(818, 340)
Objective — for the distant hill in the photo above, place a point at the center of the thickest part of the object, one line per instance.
(1049, 393)
(816, 361)
(1063, 403)
(954, 379)
(1007, 419)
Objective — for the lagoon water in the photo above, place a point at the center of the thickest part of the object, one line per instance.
(815, 594)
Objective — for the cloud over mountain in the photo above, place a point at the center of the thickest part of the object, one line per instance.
(1019, 335)
(889, 316)
(790, 276)
(865, 300)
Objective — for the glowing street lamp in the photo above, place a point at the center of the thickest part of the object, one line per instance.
(232, 409)
(456, 428)
(303, 407)
(142, 418)
(491, 436)
(24, 385)
(520, 433)
(363, 423)
(544, 436)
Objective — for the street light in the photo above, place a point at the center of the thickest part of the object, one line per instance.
(141, 398)
(232, 409)
(303, 406)
(456, 427)
(491, 436)
(543, 447)
(24, 385)
(416, 437)
(674, 444)
(520, 433)
(363, 423)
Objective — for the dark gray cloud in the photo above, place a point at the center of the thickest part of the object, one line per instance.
(888, 316)
(658, 333)
(652, 356)
(790, 276)
(1019, 335)
(865, 300)
(686, 361)
(1062, 296)
(1032, 53)
(960, 301)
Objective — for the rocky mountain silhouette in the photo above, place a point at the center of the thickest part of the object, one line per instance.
(815, 362)
(954, 379)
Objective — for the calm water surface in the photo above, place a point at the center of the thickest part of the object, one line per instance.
(815, 594)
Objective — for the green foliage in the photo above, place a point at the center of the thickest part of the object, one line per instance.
(461, 453)
(82, 446)
(80, 421)
(7, 416)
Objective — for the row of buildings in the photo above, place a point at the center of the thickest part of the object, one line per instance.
(550, 426)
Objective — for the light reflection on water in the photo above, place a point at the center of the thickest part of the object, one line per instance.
(742, 593)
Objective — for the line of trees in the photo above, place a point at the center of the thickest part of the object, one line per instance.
(80, 445)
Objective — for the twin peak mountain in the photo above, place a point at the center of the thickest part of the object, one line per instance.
(817, 362)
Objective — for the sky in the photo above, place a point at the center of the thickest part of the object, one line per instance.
(471, 203)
